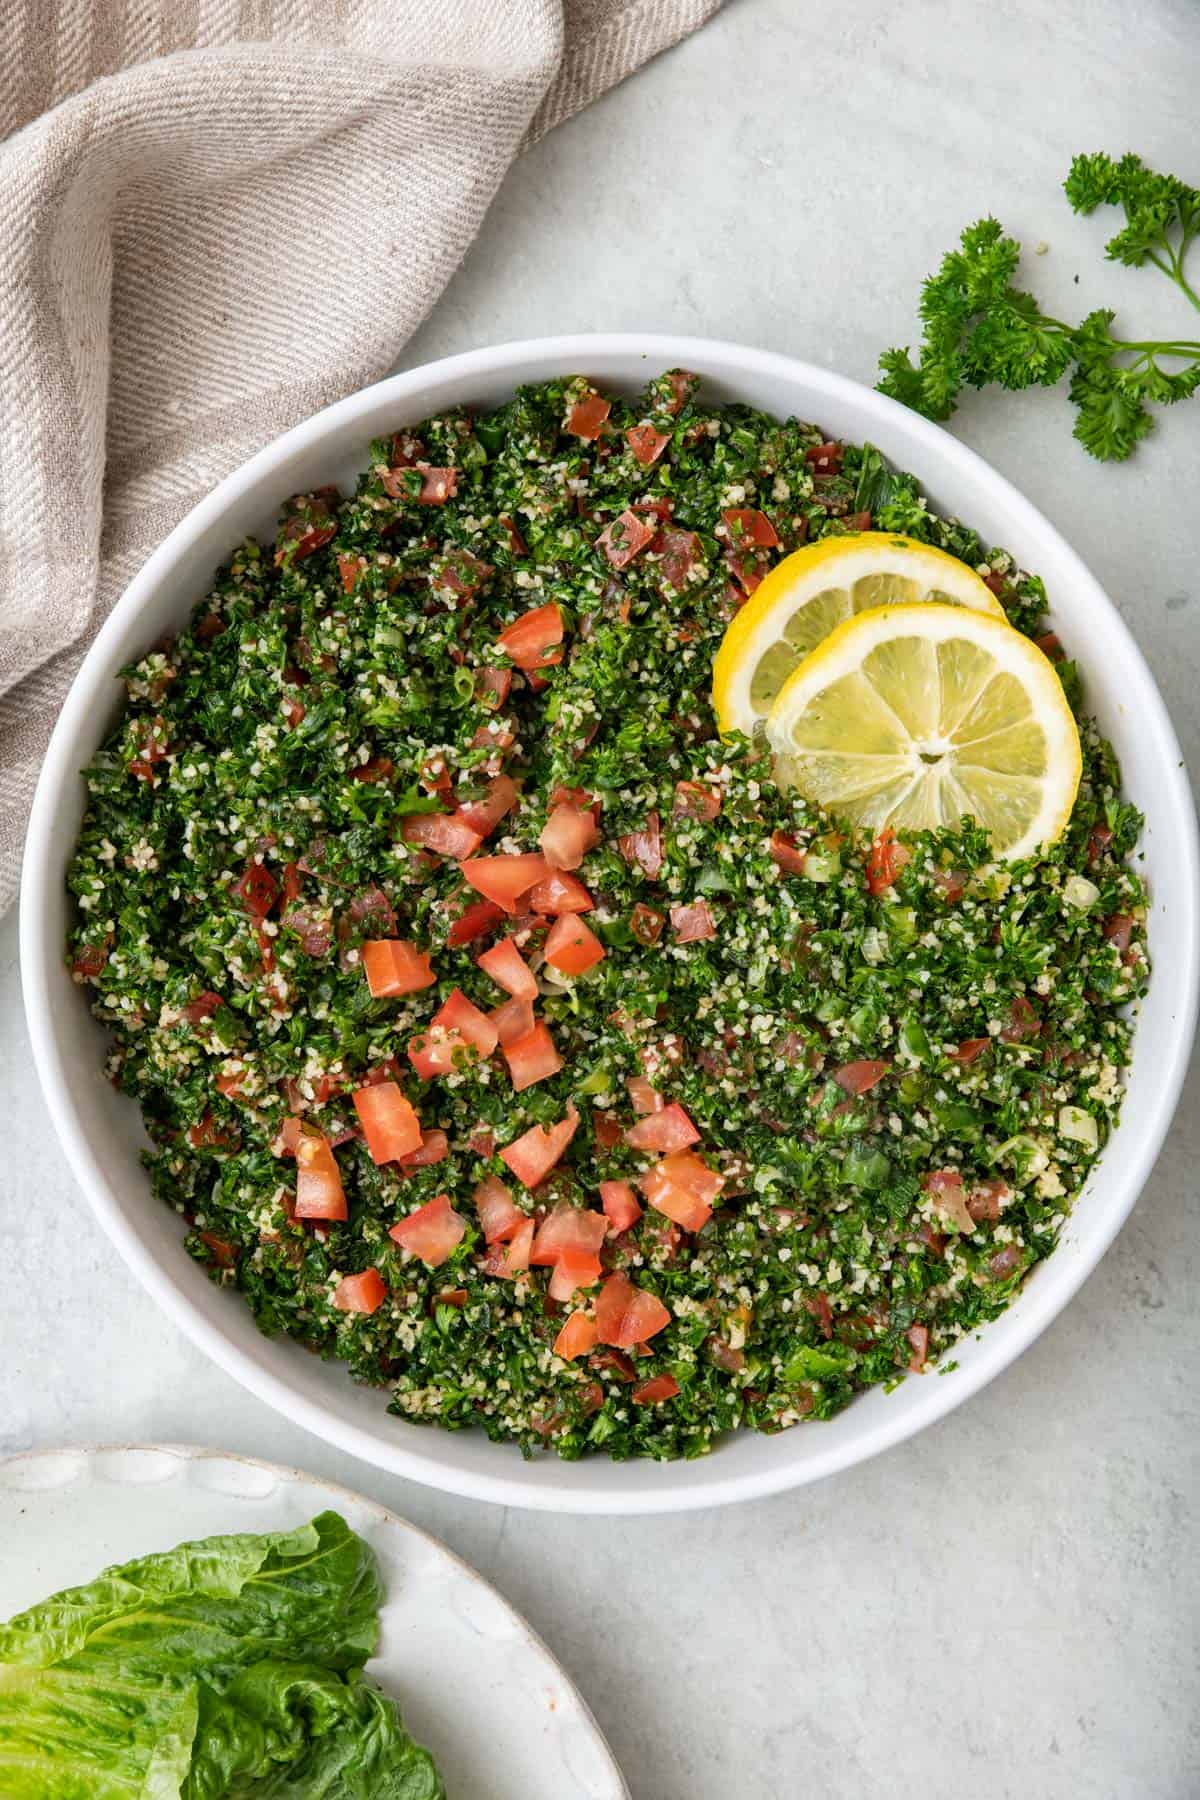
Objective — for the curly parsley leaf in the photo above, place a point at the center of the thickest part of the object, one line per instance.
(979, 328)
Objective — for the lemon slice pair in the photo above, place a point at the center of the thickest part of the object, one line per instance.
(911, 714)
(816, 589)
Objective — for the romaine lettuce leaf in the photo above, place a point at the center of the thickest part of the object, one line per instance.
(231, 1658)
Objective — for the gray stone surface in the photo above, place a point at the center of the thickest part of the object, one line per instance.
(1008, 1605)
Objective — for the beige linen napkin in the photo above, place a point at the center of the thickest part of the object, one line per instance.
(217, 216)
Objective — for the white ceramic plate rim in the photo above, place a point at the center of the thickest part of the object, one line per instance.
(1040, 1301)
(120, 1462)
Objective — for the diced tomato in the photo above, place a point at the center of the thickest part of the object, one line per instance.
(986, 1199)
(568, 835)
(433, 1232)
(90, 960)
(257, 889)
(1118, 929)
(319, 1190)
(786, 854)
(513, 1020)
(438, 1051)
(511, 1259)
(607, 1128)
(677, 1203)
(220, 1249)
(1099, 838)
(574, 1269)
(504, 879)
(654, 1389)
(643, 1095)
(646, 443)
(209, 1134)
(460, 572)
(437, 485)
(682, 385)
(230, 1085)
(827, 458)
(484, 815)
(885, 860)
(644, 847)
(499, 1217)
(918, 1337)
(968, 1050)
(390, 1126)
(532, 1156)
(749, 570)
(623, 538)
(310, 525)
(724, 1355)
(860, 1077)
(679, 554)
(691, 924)
(559, 892)
(313, 925)
(567, 1227)
(509, 970)
(363, 1293)
(670, 1129)
(746, 525)
(202, 1007)
(532, 1058)
(394, 966)
(1023, 1022)
(387, 1070)
(378, 768)
(448, 834)
(1006, 1262)
(1049, 644)
(818, 1305)
(586, 418)
(646, 924)
(951, 884)
(576, 1338)
(945, 1188)
(691, 1173)
(693, 800)
(628, 1315)
(516, 542)
(459, 1014)
(572, 947)
(287, 1137)
(475, 921)
(533, 640)
(350, 568)
(435, 1147)
(374, 906)
(620, 1205)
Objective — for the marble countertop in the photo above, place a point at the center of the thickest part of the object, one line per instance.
(1009, 1604)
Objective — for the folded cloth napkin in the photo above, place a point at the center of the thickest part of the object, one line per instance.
(217, 216)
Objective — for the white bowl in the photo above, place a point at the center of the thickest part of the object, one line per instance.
(100, 1131)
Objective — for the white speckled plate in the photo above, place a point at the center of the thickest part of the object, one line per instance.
(475, 1685)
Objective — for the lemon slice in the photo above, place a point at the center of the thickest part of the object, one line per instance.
(812, 591)
(915, 716)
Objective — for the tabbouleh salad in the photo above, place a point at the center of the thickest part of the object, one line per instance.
(706, 1113)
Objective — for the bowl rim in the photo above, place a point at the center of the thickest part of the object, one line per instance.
(570, 353)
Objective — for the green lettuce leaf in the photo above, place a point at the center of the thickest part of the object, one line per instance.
(288, 1731)
(236, 1653)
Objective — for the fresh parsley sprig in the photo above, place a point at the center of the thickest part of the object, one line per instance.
(980, 328)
